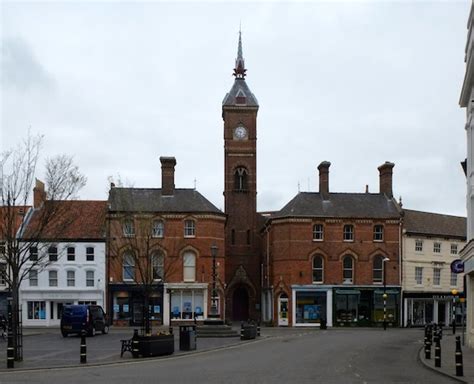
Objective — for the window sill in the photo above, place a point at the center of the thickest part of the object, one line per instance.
(348, 241)
(189, 236)
(318, 240)
(378, 241)
(318, 282)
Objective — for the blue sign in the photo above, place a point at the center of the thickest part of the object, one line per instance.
(457, 266)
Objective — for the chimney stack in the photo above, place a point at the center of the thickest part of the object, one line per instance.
(39, 194)
(167, 175)
(386, 178)
(324, 179)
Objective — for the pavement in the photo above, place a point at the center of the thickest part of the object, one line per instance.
(448, 364)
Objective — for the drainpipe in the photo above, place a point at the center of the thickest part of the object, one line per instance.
(400, 255)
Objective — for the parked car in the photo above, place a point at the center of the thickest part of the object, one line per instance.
(91, 318)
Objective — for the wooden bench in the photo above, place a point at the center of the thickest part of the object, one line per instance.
(126, 346)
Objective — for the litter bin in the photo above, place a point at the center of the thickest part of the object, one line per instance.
(187, 337)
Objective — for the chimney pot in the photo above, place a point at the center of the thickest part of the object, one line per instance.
(386, 171)
(324, 179)
(167, 175)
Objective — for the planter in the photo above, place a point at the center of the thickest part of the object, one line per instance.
(248, 332)
(147, 346)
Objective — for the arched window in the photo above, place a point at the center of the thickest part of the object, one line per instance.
(318, 269)
(240, 179)
(128, 266)
(158, 263)
(158, 228)
(348, 269)
(189, 266)
(377, 271)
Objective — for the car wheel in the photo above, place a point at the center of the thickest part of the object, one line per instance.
(92, 332)
(105, 330)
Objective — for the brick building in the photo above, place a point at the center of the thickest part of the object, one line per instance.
(159, 240)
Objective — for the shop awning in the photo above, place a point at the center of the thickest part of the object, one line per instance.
(348, 292)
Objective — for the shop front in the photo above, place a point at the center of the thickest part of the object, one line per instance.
(365, 306)
(310, 306)
(187, 301)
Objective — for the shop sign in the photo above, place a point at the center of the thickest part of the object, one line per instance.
(457, 266)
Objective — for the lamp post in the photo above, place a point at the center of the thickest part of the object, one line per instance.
(384, 260)
(213, 314)
(454, 292)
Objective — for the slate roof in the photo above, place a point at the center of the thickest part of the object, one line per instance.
(240, 85)
(68, 220)
(343, 205)
(427, 223)
(151, 200)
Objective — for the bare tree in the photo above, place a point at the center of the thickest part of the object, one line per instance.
(23, 231)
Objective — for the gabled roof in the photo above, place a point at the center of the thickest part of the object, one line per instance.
(240, 89)
(434, 224)
(340, 205)
(68, 220)
(151, 200)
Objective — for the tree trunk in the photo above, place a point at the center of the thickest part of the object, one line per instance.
(16, 321)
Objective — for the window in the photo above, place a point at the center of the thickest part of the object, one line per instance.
(128, 266)
(454, 279)
(53, 253)
(348, 269)
(158, 266)
(189, 228)
(189, 266)
(128, 228)
(36, 310)
(33, 277)
(418, 245)
(378, 232)
(53, 278)
(158, 229)
(89, 278)
(33, 253)
(240, 179)
(71, 253)
(318, 269)
(348, 233)
(437, 247)
(454, 249)
(3, 274)
(377, 272)
(318, 232)
(436, 276)
(71, 278)
(90, 253)
(419, 275)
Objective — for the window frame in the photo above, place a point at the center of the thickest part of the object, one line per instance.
(158, 229)
(160, 265)
(241, 175)
(345, 269)
(418, 245)
(437, 247)
(53, 281)
(317, 269)
(189, 255)
(436, 276)
(128, 227)
(90, 256)
(378, 270)
(53, 256)
(71, 256)
(89, 279)
(33, 251)
(348, 233)
(419, 276)
(130, 256)
(454, 247)
(318, 232)
(189, 228)
(378, 236)
(33, 277)
(70, 279)
(455, 276)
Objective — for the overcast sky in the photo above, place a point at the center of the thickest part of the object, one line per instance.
(117, 85)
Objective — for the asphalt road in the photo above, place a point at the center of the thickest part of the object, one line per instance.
(293, 356)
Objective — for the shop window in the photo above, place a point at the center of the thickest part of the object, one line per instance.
(347, 305)
(348, 232)
(33, 253)
(36, 310)
(33, 278)
(122, 308)
(90, 254)
(318, 232)
(189, 266)
(71, 253)
(418, 245)
(348, 269)
(89, 278)
(71, 278)
(158, 265)
(53, 253)
(187, 304)
(377, 270)
(240, 179)
(310, 307)
(378, 232)
(128, 266)
(53, 278)
(189, 228)
(318, 269)
(158, 229)
(390, 306)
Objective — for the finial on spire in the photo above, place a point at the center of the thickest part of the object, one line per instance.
(239, 70)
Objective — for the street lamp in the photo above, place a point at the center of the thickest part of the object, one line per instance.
(454, 292)
(213, 314)
(384, 260)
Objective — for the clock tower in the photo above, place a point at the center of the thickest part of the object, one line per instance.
(239, 111)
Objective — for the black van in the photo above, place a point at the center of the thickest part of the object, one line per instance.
(91, 318)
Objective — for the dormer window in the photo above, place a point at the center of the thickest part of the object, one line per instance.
(241, 179)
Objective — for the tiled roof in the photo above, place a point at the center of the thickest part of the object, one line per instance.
(344, 205)
(427, 223)
(151, 200)
(68, 219)
(240, 88)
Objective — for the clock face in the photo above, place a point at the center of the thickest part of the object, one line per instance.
(240, 132)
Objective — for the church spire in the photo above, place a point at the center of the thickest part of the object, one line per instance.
(239, 70)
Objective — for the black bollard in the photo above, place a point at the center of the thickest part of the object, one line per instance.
(83, 347)
(242, 330)
(458, 359)
(136, 343)
(10, 347)
(258, 328)
(427, 343)
(437, 352)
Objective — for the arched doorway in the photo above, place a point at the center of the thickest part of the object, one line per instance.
(240, 304)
